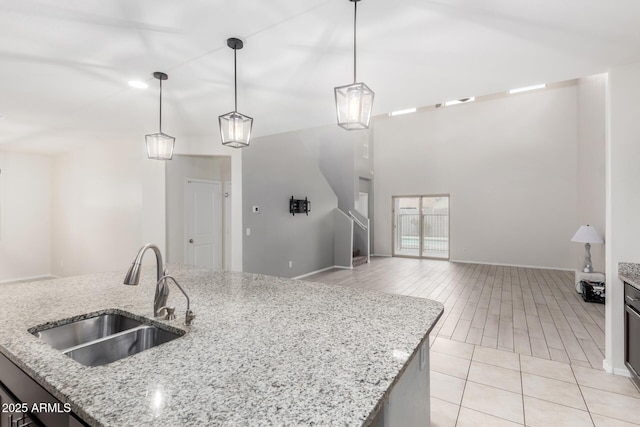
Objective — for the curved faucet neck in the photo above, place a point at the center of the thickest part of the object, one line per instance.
(159, 264)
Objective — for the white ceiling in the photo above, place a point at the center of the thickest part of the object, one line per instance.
(65, 64)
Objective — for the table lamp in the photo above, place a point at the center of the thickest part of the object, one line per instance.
(587, 234)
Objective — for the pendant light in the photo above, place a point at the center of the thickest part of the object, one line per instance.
(354, 102)
(235, 128)
(160, 145)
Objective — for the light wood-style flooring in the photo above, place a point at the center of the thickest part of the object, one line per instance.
(529, 311)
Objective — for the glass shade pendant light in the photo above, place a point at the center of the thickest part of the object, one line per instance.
(354, 102)
(160, 145)
(235, 128)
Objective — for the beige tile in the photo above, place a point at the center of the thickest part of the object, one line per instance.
(490, 342)
(539, 347)
(446, 387)
(551, 335)
(503, 378)
(451, 365)
(611, 405)
(559, 355)
(443, 413)
(602, 421)
(453, 348)
(470, 418)
(493, 401)
(552, 390)
(540, 413)
(474, 336)
(547, 368)
(504, 359)
(603, 381)
(571, 345)
(580, 363)
(521, 344)
(505, 335)
(461, 330)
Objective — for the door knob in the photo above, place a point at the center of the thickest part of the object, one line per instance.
(190, 240)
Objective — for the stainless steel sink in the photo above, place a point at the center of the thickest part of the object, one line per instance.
(119, 346)
(85, 330)
(104, 338)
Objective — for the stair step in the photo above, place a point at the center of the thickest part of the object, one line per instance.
(359, 260)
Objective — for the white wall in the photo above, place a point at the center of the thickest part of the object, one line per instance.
(591, 165)
(108, 200)
(25, 216)
(623, 199)
(509, 164)
(178, 171)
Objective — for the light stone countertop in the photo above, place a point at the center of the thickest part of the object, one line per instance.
(630, 272)
(261, 351)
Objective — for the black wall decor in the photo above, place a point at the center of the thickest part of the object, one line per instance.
(299, 206)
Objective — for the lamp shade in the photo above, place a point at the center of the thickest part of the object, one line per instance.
(354, 103)
(587, 234)
(160, 146)
(235, 129)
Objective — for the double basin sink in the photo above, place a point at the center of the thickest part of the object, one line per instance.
(104, 337)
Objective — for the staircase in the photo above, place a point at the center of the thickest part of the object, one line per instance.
(358, 259)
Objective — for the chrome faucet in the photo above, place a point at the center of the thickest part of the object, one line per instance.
(189, 316)
(162, 288)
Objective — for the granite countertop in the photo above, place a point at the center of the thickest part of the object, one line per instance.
(261, 351)
(630, 273)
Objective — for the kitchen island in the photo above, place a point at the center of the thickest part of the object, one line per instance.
(261, 351)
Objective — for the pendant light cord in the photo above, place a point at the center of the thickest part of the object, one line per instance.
(355, 13)
(160, 105)
(235, 78)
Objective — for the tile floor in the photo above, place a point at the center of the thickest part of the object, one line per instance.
(473, 385)
(514, 346)
(529, 311)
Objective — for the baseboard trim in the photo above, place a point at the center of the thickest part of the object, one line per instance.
(512, 265)
(302, 276)
(28, 279)
(617, 371)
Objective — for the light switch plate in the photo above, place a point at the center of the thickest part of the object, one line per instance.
(255, 209)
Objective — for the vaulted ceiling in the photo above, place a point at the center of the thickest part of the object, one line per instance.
(65, 64)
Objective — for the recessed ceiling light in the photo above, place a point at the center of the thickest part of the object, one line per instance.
(527, 88)
(138, 84)
(401, 112)
(460, 101)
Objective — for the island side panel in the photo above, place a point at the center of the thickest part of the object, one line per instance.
(408, 404)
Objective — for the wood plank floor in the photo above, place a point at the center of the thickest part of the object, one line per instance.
(528, 311)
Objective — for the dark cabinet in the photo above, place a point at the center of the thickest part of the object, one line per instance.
(11, 412)
(632, 331)
(18, 395)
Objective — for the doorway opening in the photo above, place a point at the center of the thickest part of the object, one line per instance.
(198, 211)
(421, 226)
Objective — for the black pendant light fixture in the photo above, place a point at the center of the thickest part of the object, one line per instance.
(235, 128)
(354, 102)
(160, 145)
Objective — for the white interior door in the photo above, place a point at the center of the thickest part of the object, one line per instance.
(363, 204)
(203, 224)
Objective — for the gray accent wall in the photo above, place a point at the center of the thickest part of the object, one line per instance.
(274, 168)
